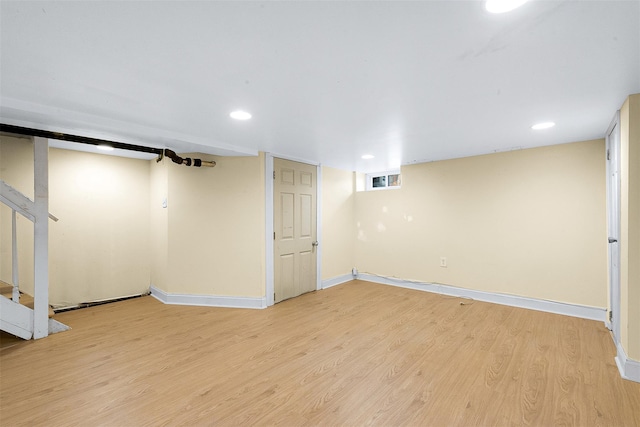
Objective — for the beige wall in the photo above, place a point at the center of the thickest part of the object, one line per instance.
(216, 228)
(159, 223)
(630, 226)
(526, 222)
(114, 237)
(99, 249)
(338, 222)
(529, 223)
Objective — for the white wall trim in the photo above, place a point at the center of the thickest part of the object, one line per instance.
(629, 368)
(338, 280)
(294, 159)
(574, 310)
(268, 210)
(613, 223)
(208, 300)
(319, 227)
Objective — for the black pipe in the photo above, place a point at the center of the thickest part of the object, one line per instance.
(75, 138)
(187, 160)
(95, 141)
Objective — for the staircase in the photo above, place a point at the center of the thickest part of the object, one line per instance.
(16, 318)
(7, 291)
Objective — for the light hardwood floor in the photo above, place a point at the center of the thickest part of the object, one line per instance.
(356, 354)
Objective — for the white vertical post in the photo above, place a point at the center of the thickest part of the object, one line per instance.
(41, 238)
(15, 294)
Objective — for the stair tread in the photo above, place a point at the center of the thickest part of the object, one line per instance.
(27, 301)
(5, 288)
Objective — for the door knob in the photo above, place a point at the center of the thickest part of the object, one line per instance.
(612, 240)
(314, 243)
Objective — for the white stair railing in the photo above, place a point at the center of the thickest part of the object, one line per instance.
(18, 202)
(37, 212)
(15, 293)
(5, 198)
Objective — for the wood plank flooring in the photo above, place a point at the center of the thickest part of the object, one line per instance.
(355, 354)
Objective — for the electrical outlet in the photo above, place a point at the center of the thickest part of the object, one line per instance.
(443, 262)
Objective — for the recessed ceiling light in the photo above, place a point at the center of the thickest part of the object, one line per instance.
(240, 115)
(368, 156)
(502, 6)
(104, 147)
(545, 125)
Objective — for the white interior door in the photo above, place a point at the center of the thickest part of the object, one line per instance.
(295, 240)
(613, 222)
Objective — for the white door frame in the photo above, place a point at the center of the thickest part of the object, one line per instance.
(268, 179)
(613, 225)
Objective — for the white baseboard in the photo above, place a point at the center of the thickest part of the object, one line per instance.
(338, 280)
(629, 368)
(585, 312)
(208, 300)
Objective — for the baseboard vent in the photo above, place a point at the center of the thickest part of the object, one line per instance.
(567, 309)
(99, 302)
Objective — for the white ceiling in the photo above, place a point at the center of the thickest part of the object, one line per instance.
(325, 81)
